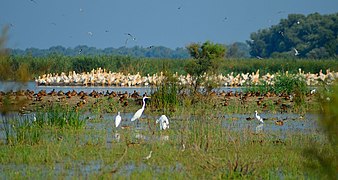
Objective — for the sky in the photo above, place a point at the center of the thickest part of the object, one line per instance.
(170, 23)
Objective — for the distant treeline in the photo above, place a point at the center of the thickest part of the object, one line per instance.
(235, 50)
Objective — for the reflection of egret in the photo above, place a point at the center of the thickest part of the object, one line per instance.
(140, 136)
(117, 119)
(164, 122)
(117, 137)
(139, 112)
(259, 128)
(149, 156)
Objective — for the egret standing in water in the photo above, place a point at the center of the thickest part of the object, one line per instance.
(118, 119)
(139, 112)
(164, 122)
(260, 126)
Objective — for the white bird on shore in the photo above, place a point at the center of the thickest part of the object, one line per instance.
(118, 119)
(139, 112)
(164, 122)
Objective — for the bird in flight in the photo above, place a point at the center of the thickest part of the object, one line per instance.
(281, 33)
(296, 52)
(90, 33)
(131, 37)
(33, 1)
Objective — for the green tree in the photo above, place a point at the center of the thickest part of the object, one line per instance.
(312, 36)
(207, 59)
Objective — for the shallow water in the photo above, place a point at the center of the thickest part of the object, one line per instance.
(15, 86)
(105, 123)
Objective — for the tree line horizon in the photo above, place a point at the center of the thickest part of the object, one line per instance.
(314, 36)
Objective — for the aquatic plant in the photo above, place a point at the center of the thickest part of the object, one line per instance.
(61, 116)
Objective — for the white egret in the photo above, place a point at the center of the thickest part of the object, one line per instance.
(164, 122)
(258, 117)
(118, 119)
(139, 112)
(260, 126)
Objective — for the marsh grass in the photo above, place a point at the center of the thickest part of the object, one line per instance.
(211, 151)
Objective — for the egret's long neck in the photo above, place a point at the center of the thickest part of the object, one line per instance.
(144, 104)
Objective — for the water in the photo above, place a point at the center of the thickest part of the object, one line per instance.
(105, 123)
(15, 86)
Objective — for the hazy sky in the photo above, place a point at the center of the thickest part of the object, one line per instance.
(170, 23)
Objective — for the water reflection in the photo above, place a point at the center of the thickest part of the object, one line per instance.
(117, 137)
(259, 128)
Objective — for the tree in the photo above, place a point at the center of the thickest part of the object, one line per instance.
(207, 59)
(313, 36)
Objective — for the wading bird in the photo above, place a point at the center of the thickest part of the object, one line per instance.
(164, 122)
(260, 126)
(139, 112)
(258, 117)
(117, 119)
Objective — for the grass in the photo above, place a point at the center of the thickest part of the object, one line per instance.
(210, 152)
(201, 142)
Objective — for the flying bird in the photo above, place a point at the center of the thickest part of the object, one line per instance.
(131, 37)
(296, 52)
(258, 57)
(118, 119)
(90, 33)
(164, 122)
(281, 33)
(139, 112)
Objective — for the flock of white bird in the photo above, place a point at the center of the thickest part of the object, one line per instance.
(100, 77)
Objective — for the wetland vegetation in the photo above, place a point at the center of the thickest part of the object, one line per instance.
(211, 135)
